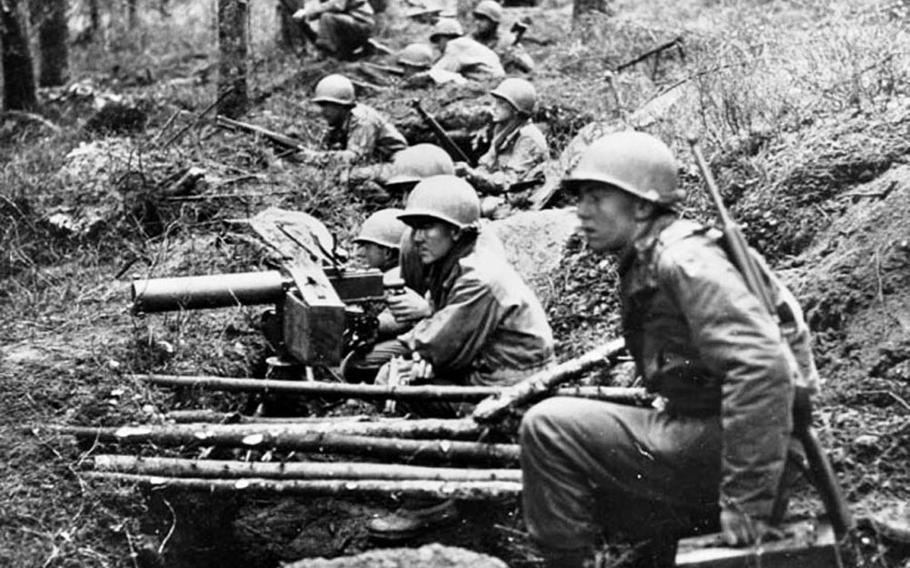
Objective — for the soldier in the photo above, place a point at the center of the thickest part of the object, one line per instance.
(487, 18)
(344, 26)
(715, 450)
(462, 55)
(485, 326)
(377, 246)
(357, 132)
(514, 164)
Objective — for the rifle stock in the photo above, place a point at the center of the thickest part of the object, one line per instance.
(444, 140)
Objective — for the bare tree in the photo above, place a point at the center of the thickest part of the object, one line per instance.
(50, 18)
(18, 74)
(232, 34)
(132, 17)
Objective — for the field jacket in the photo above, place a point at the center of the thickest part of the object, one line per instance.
(514, 165)
(470, 59)
(365, 136)
(487, 325)
(705, 343)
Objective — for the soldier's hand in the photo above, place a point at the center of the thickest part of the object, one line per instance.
(408, 306)
(462, 169)
(421, 369)
(740, 529)
(300, 14)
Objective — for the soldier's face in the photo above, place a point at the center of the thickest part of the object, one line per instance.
(432, 239)
(607, 217)
(332, 113)
(484, 25)
(502, 111)
(371, 255)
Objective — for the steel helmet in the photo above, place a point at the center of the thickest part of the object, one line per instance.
(489, 9)
(446, 27)
(445, 198)
(336, 89)
(417, 55)
(519, 93)
(634, 162)
(418, 162)
(383, 228)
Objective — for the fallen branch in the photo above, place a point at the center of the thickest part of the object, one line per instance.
(226, 469)
(563, 372)
(284, 438)
(541, 383)
(475, 490)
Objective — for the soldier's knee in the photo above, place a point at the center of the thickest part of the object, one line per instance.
(544, 419)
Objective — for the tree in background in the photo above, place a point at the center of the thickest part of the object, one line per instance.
(232, 48)
(290, 34)
(50, 18)
(18, 75)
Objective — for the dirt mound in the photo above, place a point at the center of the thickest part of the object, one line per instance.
(535, 243)
(429, 555)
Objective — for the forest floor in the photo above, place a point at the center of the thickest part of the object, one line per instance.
(803, 111)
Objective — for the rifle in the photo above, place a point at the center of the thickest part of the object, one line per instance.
(447, 143)
(397, 71)
(676, 42)
(820, 468)
(274, 137)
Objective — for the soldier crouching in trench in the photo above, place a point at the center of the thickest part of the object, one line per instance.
(484, 324)
(715, 453)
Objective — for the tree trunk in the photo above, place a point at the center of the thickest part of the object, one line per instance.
(232, 34)
(581, 8)
(94, 18)
(132, 16)
(289, 34)
(52, 39)
(467, 490)
(285, 439)
(18, 74)
(227, 469)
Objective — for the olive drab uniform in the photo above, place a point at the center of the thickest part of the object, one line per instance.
(366, 135)
(470, 59)
(514, 57)
(725, 375)
(512, 167)
(345, 27)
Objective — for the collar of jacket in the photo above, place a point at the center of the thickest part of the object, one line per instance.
(505, 139)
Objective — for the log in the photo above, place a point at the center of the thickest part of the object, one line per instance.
(323, 388)
(563, 372)
(468, 490)
(285, 438)
(227, 469)
(539, 384)
(205, 415)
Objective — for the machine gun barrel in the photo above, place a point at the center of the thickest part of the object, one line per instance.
(215, 291)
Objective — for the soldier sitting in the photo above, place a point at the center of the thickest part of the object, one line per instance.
(487, 18)
(377, 246)
(344, 26)
(357, 133)
(713, 452)
(462, 57)
(514, 164)
(485, 326)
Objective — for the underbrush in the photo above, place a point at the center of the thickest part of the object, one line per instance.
(795, 103)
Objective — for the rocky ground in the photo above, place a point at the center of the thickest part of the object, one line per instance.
(802, 109)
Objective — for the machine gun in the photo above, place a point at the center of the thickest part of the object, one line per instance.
(314, 296)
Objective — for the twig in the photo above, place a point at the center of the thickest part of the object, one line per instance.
(228, 195)
(199, 117)
(170, 531)
(166, 126)
(878, 275)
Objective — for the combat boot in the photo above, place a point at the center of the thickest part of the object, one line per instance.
(411, 520)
